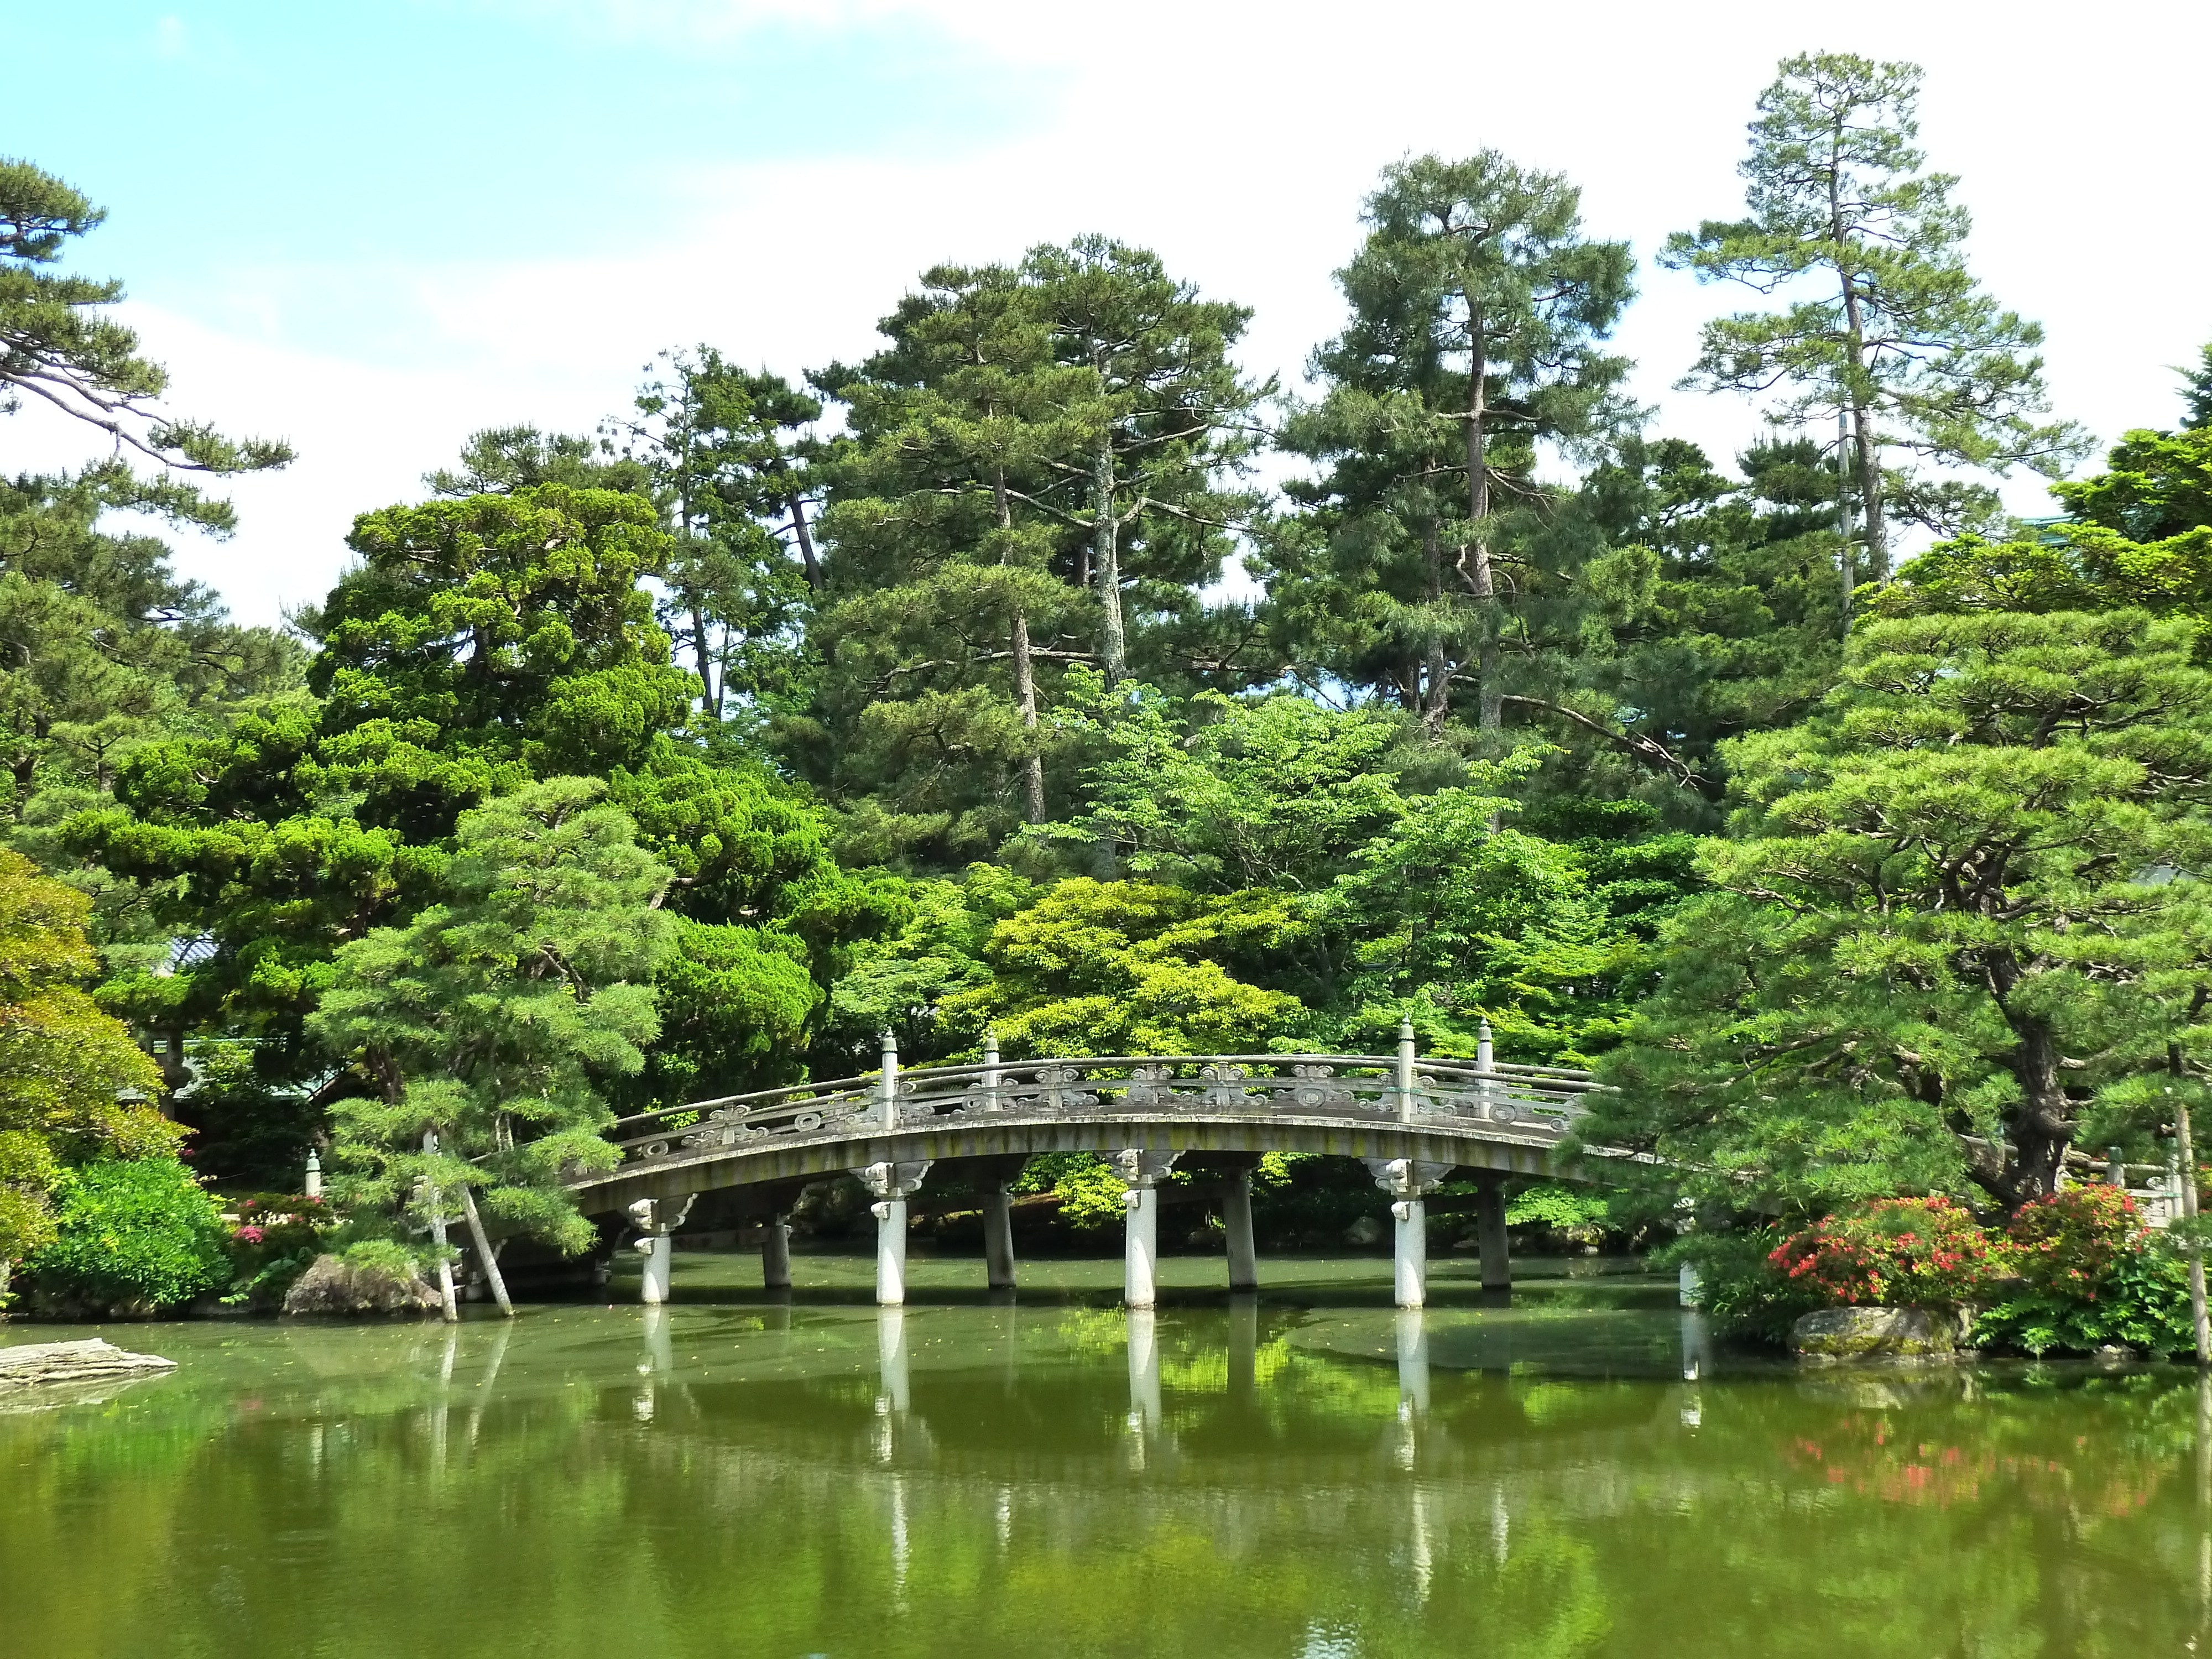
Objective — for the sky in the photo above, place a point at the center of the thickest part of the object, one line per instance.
(373, 228)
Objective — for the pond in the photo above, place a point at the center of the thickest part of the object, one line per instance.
(1307, 1474)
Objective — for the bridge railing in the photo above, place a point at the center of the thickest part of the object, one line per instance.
(1526, 1103)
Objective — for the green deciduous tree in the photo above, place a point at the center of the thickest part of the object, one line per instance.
(1930, 933)
(72, 1082)
(494, 1018)
(1883, 324)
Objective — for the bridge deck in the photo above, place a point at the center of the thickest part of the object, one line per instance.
(1452, 1113)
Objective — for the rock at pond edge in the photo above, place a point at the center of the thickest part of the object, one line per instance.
(333, 1288)
(33, 1364)
(1894, 1336)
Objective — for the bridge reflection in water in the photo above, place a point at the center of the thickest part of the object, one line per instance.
(1412, 1120)
(961, 1482)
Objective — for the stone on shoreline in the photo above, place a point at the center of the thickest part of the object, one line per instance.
(1891, 1336)
(37, 1364)
(334, 1288)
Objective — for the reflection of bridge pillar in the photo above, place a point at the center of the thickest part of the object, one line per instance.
(1142, 1171)
(1236, 1223)
(1143, 1368)
(1243, 1346)
(891, 1184)
(890, 1354)
(775, 1254)
(999, 1238)
(1490, 1232)
(1412, 1361)
(1406, 1182)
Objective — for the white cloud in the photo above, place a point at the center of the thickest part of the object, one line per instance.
(1239, 141)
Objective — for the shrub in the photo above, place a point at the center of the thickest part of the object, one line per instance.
(1904, 1252)
(278, 1239)
(1739, 1287)
(134, 1234)
(2089, 1276)
(2142, 1302)
(2070, 1243)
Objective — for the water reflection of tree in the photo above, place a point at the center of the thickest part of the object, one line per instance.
(405, 1511)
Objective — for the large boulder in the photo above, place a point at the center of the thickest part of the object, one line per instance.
(1364, 1232)
(332, 1288)
(1892, 1336)
(38, 1364)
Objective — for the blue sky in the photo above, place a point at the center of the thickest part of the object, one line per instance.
(374, 228)
(433, 129)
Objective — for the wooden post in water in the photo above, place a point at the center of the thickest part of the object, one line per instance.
(449, 1308)
(2187, 1176)
(492, 1274)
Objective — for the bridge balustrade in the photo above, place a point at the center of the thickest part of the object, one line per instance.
(892, 1123)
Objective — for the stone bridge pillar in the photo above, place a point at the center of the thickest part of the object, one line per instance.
(1408, 1183)
(656, 1218)
(1143, 1171)
(775, 1254)
(891, 1184)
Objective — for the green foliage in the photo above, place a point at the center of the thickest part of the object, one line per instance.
(489, 1020)
(2141, 1303)
(62, 347)
(1903, 1252)
(1132, 968)
(1237, 792)
(1936, 920)
(132, 1234)
(1479, 308)
(73, 1085)
(1892, 329)
(1576, 1213)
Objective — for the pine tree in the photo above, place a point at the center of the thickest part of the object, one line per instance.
(1478, 311)
(57, 344)
(1904, 345)
(493, 1019)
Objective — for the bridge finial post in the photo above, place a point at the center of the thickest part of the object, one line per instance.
(1405, 1070)
(890, 1083)
(990, 1068)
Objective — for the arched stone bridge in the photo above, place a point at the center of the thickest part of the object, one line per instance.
(1413, 1120)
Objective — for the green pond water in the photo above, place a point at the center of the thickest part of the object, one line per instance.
(1310, 1473)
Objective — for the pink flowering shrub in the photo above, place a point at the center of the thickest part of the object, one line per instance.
(2072, 1243)
(1901, 1252)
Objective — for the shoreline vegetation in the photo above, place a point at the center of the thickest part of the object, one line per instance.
(1850, 829)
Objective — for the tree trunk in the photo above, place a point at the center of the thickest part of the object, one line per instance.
(493, 1277)
(1106, 562)
(1855, 387)
(1491, 710)
(808, 560)
(2042, 1128)
(1025, 696)
(1024, 668)
(1435, 702)
(707, 694)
